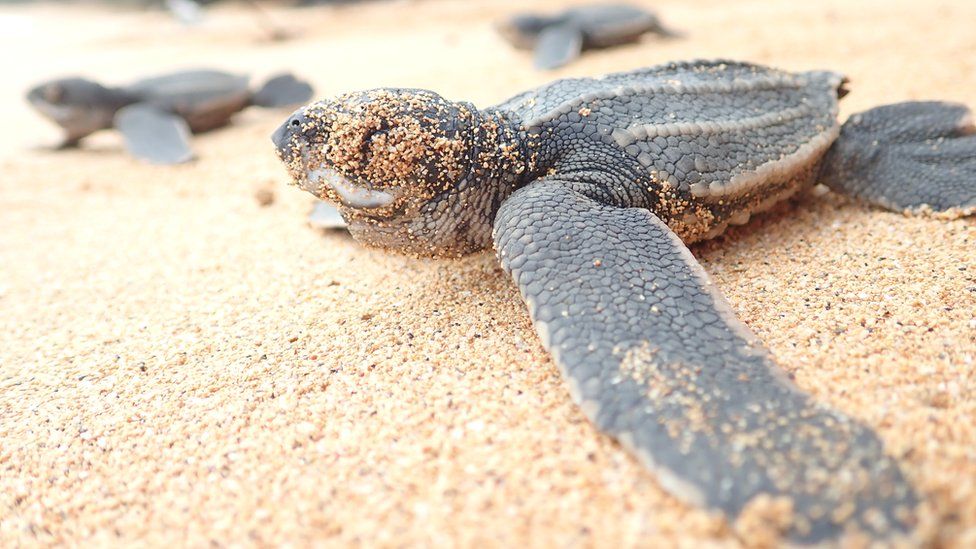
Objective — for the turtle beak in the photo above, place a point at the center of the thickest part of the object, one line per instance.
(284, 137)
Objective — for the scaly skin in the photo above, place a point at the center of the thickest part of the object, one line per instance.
(587, 188)
(917, 157)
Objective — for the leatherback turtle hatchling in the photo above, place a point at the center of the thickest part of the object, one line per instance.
(156, 115)
(589, 189)
(559, 38)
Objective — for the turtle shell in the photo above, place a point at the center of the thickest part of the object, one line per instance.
(205, 98)
(605, 26)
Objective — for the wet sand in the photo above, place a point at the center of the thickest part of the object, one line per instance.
(182, 365)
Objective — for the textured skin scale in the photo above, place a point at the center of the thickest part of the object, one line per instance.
(690, 137)
(590, 186)
(679, 381)
(880, 155)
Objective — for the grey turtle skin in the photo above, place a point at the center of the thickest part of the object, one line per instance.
(156, 115)
(589, 190)
(560, 38)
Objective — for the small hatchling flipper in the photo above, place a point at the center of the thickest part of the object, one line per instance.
(915, 156)
(325, 216)
(557, 45)
(283, 90)
(655, 357)
(154, 135)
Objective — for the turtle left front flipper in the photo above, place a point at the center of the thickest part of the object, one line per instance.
(655, 357)
(914, 156)
(154, 135)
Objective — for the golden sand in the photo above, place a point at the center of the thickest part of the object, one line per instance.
(183, 361)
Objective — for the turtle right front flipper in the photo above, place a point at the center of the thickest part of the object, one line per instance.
(655, 357)
(154, 135)
(913, 156)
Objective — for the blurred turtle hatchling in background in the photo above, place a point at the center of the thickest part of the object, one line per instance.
(560, 38)
(156, 115)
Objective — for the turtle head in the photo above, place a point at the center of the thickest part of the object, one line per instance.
(78, 105)
(399, 164)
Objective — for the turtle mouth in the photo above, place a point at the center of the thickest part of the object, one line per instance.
(350, 194)
(315, 175)
(56, 112)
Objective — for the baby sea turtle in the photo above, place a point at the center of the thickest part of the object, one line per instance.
(156, 115)
(558, 39)
(589, 189)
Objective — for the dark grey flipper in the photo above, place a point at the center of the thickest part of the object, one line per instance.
(154, 135)
(325, 216)
(911, 156)
(558, 45)
(655, 357)
(283, 90)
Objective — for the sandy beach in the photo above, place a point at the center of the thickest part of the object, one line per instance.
(182, 365)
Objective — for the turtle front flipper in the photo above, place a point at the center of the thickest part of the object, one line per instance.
(557, 45)
(655, 357)
(914, 156)
(154, 135)
(283, 90)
